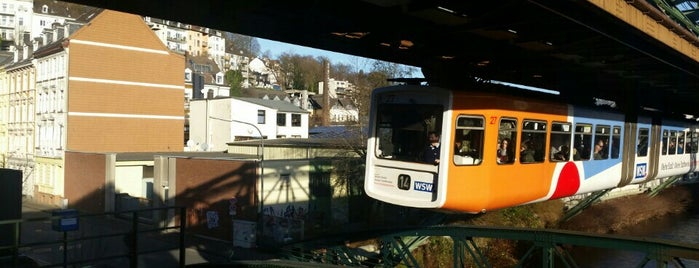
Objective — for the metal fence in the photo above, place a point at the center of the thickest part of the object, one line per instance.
(118, 239)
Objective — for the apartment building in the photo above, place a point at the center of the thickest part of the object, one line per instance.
(98, 91)
(15, 19)
(18, 101)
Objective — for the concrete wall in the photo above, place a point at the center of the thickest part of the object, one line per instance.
(206, 186)
(86, 181)
(132, 179)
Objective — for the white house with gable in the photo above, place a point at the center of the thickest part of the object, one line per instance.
(215, 122)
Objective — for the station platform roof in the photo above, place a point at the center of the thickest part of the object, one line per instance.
(636, 53)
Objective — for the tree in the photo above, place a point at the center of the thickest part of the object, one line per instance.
(243, 44)
(234, 79)
(299, 72)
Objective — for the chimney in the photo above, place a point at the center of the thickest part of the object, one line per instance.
(304, 99)
(56, 34)
(15, 53)
(25, 52)
(35, 44)
(48, 37)
(326, 94)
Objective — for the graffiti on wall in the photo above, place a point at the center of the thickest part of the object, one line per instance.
(288, 212)
(284, 225)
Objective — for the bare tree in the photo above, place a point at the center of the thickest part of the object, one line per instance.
(243, 44)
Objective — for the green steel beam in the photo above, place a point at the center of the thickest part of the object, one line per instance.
(677, 15)
(551, 244)
(586, 202)
(464, 244)
(664, 185)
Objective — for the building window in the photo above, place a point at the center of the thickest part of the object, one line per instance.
(260, 116)
(281, 119)
(295, 120)
(219, 78)
(44, 9)
(188, 75)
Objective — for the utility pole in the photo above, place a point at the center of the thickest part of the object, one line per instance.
(326, 93)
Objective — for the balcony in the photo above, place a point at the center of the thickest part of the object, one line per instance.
(181, 40)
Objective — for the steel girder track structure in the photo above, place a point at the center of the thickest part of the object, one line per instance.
(548, 248)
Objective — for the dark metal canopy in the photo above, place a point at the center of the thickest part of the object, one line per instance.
(570, 46)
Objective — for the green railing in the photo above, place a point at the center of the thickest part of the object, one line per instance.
(75, 240)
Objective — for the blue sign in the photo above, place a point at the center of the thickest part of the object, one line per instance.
(68, 220)
(641, 170)
(422, 186)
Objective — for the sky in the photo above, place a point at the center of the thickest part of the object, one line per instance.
(277, 48)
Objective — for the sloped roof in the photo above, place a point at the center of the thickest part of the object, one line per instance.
(344, 102)
(200, 61)
(335, 132)
(279, 105)
(49, 49)
(65, 9)
(260, 93)
(6, 57)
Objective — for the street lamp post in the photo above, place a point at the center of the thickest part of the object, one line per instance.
(261, 156)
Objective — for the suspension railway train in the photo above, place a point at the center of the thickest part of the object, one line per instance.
(554, 150)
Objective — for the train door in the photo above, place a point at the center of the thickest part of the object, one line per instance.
(655, 146)
(628, 155)
(691, 147)
(638, 151)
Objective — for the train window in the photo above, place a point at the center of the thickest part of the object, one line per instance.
(533, 141)
(672, 144)
(402, 130)
(507, 140)
(560, 141)
(663, 147)
(468, 140)
(692, 140)
(601, 147)
(582, 142)
(616, 142)
(680, 142)
(642, 149)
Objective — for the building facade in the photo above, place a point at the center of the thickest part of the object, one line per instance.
(15, 19)
(18, 106)
(92, 97)
(216, 122)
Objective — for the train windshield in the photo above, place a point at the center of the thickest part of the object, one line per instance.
(403, 131)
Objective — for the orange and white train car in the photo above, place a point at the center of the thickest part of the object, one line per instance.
(553, 150)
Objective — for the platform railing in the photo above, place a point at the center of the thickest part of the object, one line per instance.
(75, 239)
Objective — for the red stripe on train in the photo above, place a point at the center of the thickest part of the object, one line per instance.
(568, 181)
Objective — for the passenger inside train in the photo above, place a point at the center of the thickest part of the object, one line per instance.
(526, 153)
(468, 140)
